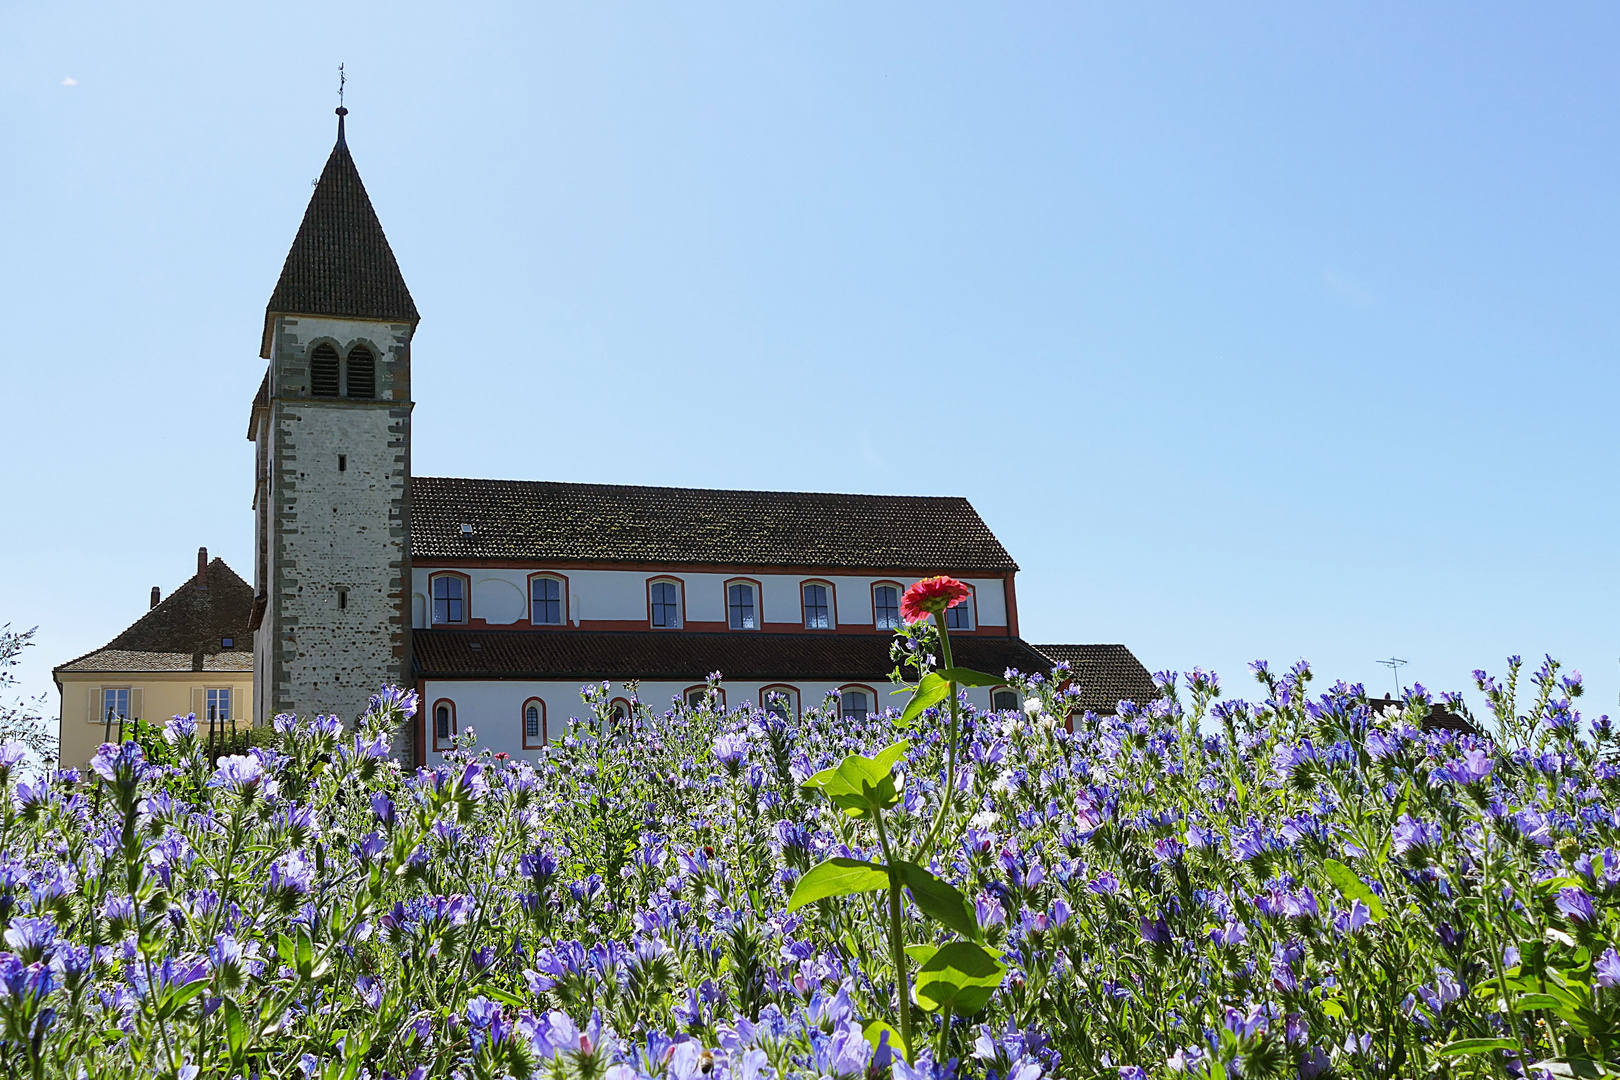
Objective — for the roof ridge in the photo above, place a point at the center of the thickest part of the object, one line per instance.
(673, 487)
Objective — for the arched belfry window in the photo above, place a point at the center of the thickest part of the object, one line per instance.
(362, 373)
(323, 371)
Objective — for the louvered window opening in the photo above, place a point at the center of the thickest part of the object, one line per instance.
(323, 371)
(362, 373)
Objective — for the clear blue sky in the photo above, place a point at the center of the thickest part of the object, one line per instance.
(1252, 330)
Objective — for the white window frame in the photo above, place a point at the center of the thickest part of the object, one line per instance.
(965, 611)
(561, 601)
(899, 591)
(209, 700)
(679, 603)
(831, 606)
(755, 591)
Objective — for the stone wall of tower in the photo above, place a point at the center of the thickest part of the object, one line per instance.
(337, 615)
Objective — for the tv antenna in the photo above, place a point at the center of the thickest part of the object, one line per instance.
(1394, 664)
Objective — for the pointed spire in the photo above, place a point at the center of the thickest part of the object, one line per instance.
(340, 262)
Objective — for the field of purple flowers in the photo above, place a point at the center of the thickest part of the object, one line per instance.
(1199, 887)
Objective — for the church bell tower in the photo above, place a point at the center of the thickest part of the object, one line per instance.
(332, 430)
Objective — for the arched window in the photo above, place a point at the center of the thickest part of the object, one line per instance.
(664, 600)
(742, 605)
(819, 611)
(444, 723)
(362, 373)
(780, 700)
(323, 371)
(449, 599)
(1003, 699)
(960, 617)
(548, 603)
(855, 702)
(886, 605)
(534, 724)
(619, 713)
(695, 695)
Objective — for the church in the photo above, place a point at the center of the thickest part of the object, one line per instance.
(497, 599)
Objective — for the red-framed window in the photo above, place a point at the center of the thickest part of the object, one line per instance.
(963, 616)
(534, 724)
(449, 598)
(886, 604)
(743, 604)
(666, 603)
(857, 701)
(693, 696)
(819, 604)
(443, 719)
(619, 713)
(781, 699)
(548, 599)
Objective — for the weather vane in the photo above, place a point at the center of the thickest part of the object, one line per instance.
(342, 78)
(1394, 666)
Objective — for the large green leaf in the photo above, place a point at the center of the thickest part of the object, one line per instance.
(860, 784)
(877, 1029)
(1475, 1046)
(837, 877)
(1352, 887)
(921, 953)
(968, 677)
(930, 692)
(959, 978)
(236, 1029)
(939, 900)
(1573, 1067)
(1527, 1002)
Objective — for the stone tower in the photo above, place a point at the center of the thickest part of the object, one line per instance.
(332, 429)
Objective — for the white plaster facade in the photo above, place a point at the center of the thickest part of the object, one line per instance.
(500, 596)
(493, 708)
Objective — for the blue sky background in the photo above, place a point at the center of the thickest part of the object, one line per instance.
(1252, 330)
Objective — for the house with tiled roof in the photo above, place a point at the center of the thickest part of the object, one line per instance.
(190, 653)
(497, 599)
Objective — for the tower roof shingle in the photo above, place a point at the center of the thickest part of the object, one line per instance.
(340, 263)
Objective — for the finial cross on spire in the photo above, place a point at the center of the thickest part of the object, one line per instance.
(342, 78)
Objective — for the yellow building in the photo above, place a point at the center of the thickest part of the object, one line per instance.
(190, 653)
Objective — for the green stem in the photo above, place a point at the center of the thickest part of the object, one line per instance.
(897, 941)
(949, 791)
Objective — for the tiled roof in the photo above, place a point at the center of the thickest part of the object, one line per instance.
(126, 660)
(1107, 674)
(531, 519)
(687, 657)
(260, 400)
(340, 262)
(190, 620)
(1439, 717)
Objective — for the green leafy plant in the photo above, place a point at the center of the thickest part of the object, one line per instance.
(957, 978)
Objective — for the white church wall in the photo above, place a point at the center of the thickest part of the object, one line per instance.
(500, 596)
(493, 708)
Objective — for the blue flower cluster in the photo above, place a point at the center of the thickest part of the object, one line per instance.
(1297, 886)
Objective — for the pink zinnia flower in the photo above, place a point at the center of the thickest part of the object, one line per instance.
(930, 596)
